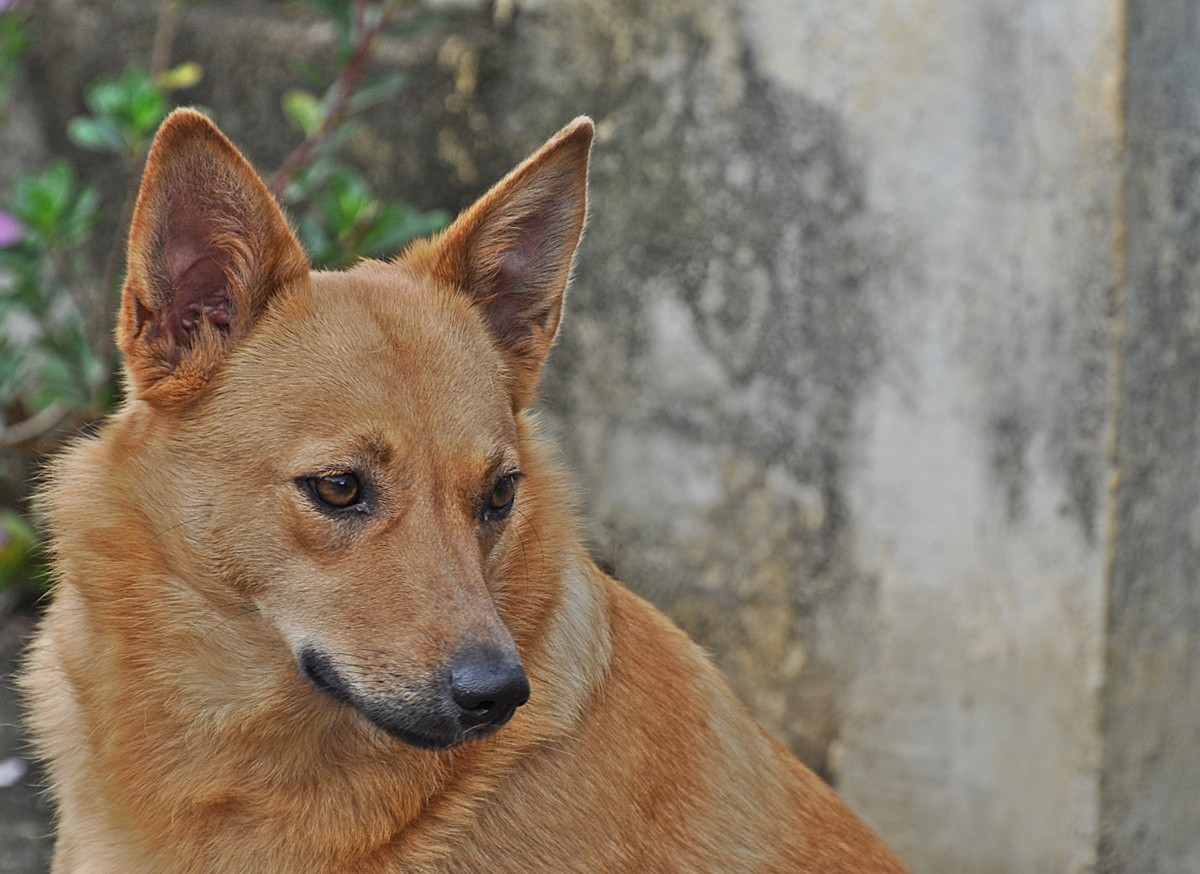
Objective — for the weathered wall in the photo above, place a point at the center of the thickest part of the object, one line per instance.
(1152, 756)
(977, 486)
(841, 369)
(839, 381)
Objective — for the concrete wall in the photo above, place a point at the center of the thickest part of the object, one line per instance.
(850, 365)
(1151, 773)
(978, 477)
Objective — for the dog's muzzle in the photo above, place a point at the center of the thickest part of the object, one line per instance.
(483, 688)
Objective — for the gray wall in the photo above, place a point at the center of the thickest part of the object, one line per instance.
(1151, 769)
(879, 372)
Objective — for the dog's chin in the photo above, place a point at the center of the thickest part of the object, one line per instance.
(429, 741)
(424, 730)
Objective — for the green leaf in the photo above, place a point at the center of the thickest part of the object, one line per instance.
(83, 216)
(303, 110)
(316, 240)
(56, 383)
(124, 113)
(105, 97)
(377, 92)
(83, 362)
(146, 110)
(54, 212)
(14, 372)
(97, 135)
(184, 75)
(18, 549)
(39, 201)
(54, 187)
(15, 37)
(351, 198)
(398, 224)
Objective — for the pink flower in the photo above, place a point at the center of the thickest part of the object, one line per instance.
(11, 231)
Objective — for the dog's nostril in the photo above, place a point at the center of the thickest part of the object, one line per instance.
(487, 687)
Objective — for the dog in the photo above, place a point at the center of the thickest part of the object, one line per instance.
(321, 601)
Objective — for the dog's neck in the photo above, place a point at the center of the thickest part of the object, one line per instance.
(230, 721)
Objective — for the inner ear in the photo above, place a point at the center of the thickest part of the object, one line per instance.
(511, 252)
(516, 300)
(208, 247)
(199, 275)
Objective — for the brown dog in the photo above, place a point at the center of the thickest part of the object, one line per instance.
(319, 558)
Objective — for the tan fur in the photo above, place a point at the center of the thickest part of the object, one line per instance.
(191, 565)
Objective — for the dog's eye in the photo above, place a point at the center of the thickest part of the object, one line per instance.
(500, 501)
(338, 490)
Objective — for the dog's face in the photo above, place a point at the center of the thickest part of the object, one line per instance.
(373, 527)
(349, 445)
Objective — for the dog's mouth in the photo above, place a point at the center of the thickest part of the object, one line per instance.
(428, 724)
(319, 670)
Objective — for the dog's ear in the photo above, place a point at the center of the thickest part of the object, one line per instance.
(512, 252)
(208, 246)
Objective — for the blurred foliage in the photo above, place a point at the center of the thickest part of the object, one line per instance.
(14, 42)
(125, 112)
(339, 220)
(56, 360)
(45, 357)
(19, 551)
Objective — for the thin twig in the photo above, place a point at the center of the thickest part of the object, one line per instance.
(164, 36)
(342, 90)
(35, 426)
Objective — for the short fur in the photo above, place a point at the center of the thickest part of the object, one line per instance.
(193, 565)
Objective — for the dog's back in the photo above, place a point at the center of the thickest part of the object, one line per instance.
(321, 604)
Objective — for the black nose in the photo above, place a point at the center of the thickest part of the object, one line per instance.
(488, 686)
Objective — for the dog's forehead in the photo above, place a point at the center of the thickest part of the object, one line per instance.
(379, 346)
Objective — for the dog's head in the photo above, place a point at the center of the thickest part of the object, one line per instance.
(347, 451)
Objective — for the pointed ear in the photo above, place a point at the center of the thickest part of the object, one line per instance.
(512, 252)
(208, 246)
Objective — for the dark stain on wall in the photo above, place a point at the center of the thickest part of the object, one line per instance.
(733, 209)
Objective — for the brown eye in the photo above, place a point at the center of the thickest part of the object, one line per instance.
(500, 501)
(339, 490)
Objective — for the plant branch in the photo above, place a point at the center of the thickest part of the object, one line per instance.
(164, 36)
(343, 88)
(35, 426)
